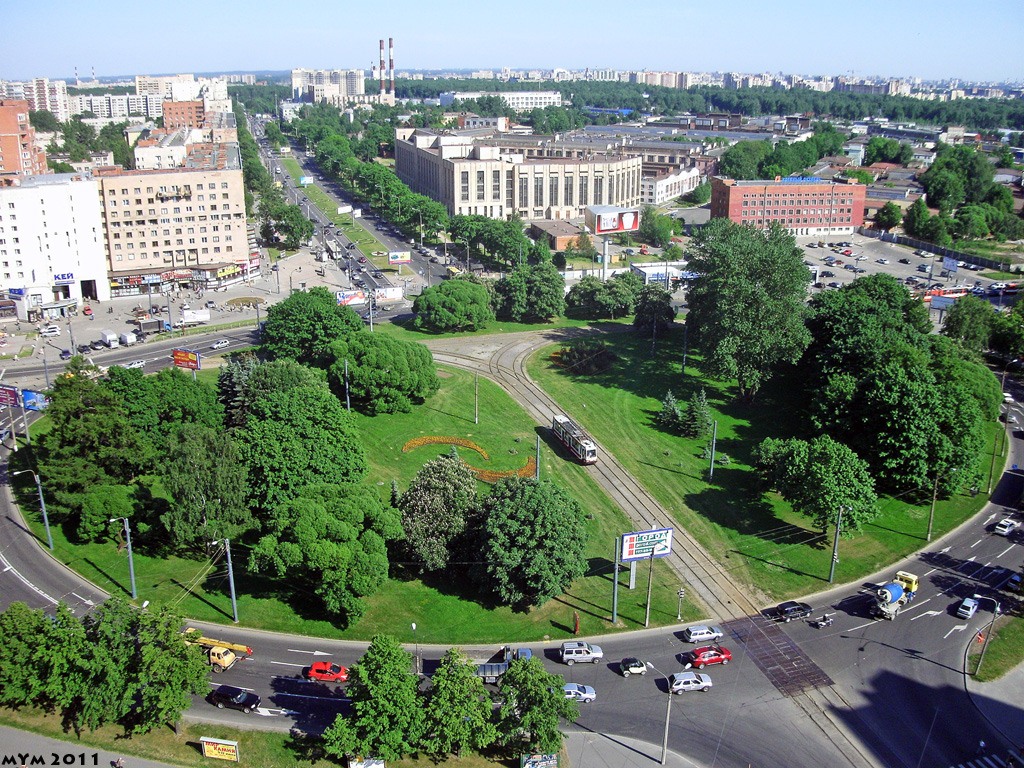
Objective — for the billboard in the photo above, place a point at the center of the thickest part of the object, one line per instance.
(344, 209)
(219, 749)
(610, 219)
(949, 264)
(9, 395)
(350, 298)
(305, 181)
(399, 257)
(187, 358)
(389, 293)
(640, 545)
(34, 401)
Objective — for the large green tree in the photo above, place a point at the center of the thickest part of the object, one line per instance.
(969, 322)
(532, 541)
(889, 216)
(304, 325)
(747, 307)
(387, 718)
(458, 709)
(532, 707)
(385, 374)
(454, 305)
(653, 309)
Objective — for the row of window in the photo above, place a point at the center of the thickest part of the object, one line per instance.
(766, 219)
(167, 254)
(150, 190)
(560, 190)
(784, 199)
(177, 209)
(798, 212)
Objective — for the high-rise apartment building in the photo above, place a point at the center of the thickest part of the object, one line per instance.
(19, 155)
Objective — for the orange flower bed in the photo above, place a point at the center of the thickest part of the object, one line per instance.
(493, 475)
(418, 442)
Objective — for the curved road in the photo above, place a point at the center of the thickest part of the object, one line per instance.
(862, 692)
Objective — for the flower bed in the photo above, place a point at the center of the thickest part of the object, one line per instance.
(418, 442)
(493, 475)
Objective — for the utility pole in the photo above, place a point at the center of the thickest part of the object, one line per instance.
(714, 439)
(835, 545)
(476, 398)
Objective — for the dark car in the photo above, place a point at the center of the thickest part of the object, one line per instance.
(65, 354)
(791, 609)
(827, 273)
(84, 348)
(97, 345)
(234, 698)
(903, 261)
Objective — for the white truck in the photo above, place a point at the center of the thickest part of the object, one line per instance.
(127, 339)
(109, 338)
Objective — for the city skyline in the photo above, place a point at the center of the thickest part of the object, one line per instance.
(928, 41)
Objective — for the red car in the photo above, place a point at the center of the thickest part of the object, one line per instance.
(327, 672)
(707, 654)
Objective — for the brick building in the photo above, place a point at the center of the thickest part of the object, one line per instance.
(19, 155)
(184, 114)
(804, 206)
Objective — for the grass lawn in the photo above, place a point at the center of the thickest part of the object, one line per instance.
(265, 749)
(443, 608)
(406, 330)
(1005, 648)
(757, 537)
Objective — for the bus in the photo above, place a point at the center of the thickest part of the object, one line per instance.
(572, 436)
(454, 272)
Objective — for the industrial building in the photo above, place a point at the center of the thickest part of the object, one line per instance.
(804, 206)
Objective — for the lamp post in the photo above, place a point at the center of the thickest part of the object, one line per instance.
(996, 610)
(231, 578)
(935, 494)
(42, 504)
(668, 713)
(421, 226)
(416, 640)
(128, 541)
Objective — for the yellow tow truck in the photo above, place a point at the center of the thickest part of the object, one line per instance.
(220, 654)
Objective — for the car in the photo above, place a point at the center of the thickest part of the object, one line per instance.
(922, 268)
(629, 252)
(1005, 527)
(361, 259)
(827, 273)
(882, 261)
(791, 609)
(1013, 583)
(575, 650)
(87, 310)
(1011, 418)
(327, 672)
(97, 345)
(1007, 397)
(849, 267)
(847, 252)
(862, 257)
(49, 330)
(968, 607)
(65, 354)
(833, 284)
(350, 246)
(83, 349)
(903, 261)
(681, 682)
(211, 304)
(378, 274)
(707, 655)
(838, 262)
(860, 270)
(632, 666)
(186, 306)
(581, 693)
(139, 364)
(434, 260)
(220, 344)
(812, 245)
(920, 253)
(234, 698)
(702, 634)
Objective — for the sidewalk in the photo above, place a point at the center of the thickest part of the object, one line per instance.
(19, 748)
(588, 749)
(1001, 702)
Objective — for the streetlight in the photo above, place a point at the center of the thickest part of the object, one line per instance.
(996, 610)
(42, 503)
(421, 226)
(416, 640)
(131, 561)
(231, 577)
(668, 713)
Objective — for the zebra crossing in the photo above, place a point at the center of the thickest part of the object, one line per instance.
(990, 761)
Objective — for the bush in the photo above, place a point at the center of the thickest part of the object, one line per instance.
(586, 358)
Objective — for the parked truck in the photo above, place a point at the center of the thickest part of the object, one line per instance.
(894, 595)
(491, 668)
(127, 339)
(109, 338)
(151, 324)
(220, 654)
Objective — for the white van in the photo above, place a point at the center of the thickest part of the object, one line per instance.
(49, 330)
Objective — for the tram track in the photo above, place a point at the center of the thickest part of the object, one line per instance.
(505, 365)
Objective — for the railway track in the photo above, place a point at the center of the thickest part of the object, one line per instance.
(504, 363)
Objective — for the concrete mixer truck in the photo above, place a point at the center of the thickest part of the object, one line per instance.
(892, 596)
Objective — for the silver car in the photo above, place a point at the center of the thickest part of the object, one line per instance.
(681, 682)
(702, 634)
(581, 693)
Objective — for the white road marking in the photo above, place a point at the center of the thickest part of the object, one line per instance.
(957, 628)
(926, 613)
(289, 664)
(1006, 550)
(929, 573)
(976, 544)
(315, 653)
(990, 518)
(944, 551)
(85, 600)
(978, 570)
(8, 567)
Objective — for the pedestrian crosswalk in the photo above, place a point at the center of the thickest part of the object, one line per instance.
(989, 761)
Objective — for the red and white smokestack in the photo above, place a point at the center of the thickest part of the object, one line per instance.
(391, 62)
(382, 66)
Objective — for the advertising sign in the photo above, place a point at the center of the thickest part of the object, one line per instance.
(187, 358)
(399, 257)
(949, 263)
(350, 298)
(641, 544)
(942, 302)
(34, 401)
(538, 761)
(64, 278)
(305, 181)
(9, 395)
(344, 209)
(218, 749)
(390, 293)
(609, 219)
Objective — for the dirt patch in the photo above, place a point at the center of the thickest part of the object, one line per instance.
(245, 301)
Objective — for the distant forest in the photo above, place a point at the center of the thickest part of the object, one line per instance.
(976, 114)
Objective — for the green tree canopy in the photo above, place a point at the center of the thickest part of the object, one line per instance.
(304, 325)
(454, 305)
(653, 308)
(533, 706)
(385, 374)
(458, 709)
(969, 322)
(889, 216)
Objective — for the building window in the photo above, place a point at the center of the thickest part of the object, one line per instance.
(569, 180)
(538, 192)
(584, 191)
(524, 191)
(465, 186)
(599, 190)
(496, 185)
(480, 185)
(553, 190)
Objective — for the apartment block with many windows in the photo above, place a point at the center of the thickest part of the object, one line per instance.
(19, 155)
(804, 206)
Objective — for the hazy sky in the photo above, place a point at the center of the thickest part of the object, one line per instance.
(931, 40)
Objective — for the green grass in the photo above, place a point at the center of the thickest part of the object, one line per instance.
(406, 330)
(1005, 649)
(758, 537)
(263, 749)
(444, 609)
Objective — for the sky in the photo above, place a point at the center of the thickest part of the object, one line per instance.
(937, 39)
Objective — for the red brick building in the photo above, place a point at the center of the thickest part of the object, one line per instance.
(184, 114)
(18, 154)
(804, 206)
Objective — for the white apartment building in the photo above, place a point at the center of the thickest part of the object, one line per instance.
(41, 93)
(164, 150)
(660, 188)
(338, 83)
(160, 85)
(51, 246)
(486, 179)
(118, 107)
(520, 101)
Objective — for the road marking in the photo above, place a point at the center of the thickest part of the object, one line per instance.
(977, 570)
(990, 518)
(315, 653)
(944, 551)
(85, 600)
(976, 544)
(288, 664)
(1006, 550)
(929, 573)
(926, 613)
(957, 628)
(17, 574)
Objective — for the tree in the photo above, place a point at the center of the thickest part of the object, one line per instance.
(819, 478)
(458, 709)
(699, 195)
(384, 373)
(594, 298)
(532, 543)
(584, 246)
(436, 509)
(532, 707)
(296, 438)
(100, 505)
(387, 718)
(945, 190)
(969, 322)
(206, 478)
(246, 379)
(888, 216)
(533, 293)
(43, 121)
(454, 305)
(697, 420)
(670, 417)
(747, 307)
(915, 220)
(330, 540)
(653, 309)
(304, 325)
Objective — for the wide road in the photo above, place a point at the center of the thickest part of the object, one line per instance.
(791, 695)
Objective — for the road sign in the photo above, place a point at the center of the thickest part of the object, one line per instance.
(639, 545)
(187, 358)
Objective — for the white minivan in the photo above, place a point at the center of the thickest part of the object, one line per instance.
(50, 330)
(702, 634)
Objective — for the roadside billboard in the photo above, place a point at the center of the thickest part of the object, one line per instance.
(350, 298)
(9, 395)
(187, 358)
(389, 293)
(344, 209)
(219, 749)
(610, 219)
(949, 264)
(640, 545)
(305, 181)
(34, 401)
(399, 257)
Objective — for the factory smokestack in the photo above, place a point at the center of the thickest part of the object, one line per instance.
(382, 66)
(391, 62)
